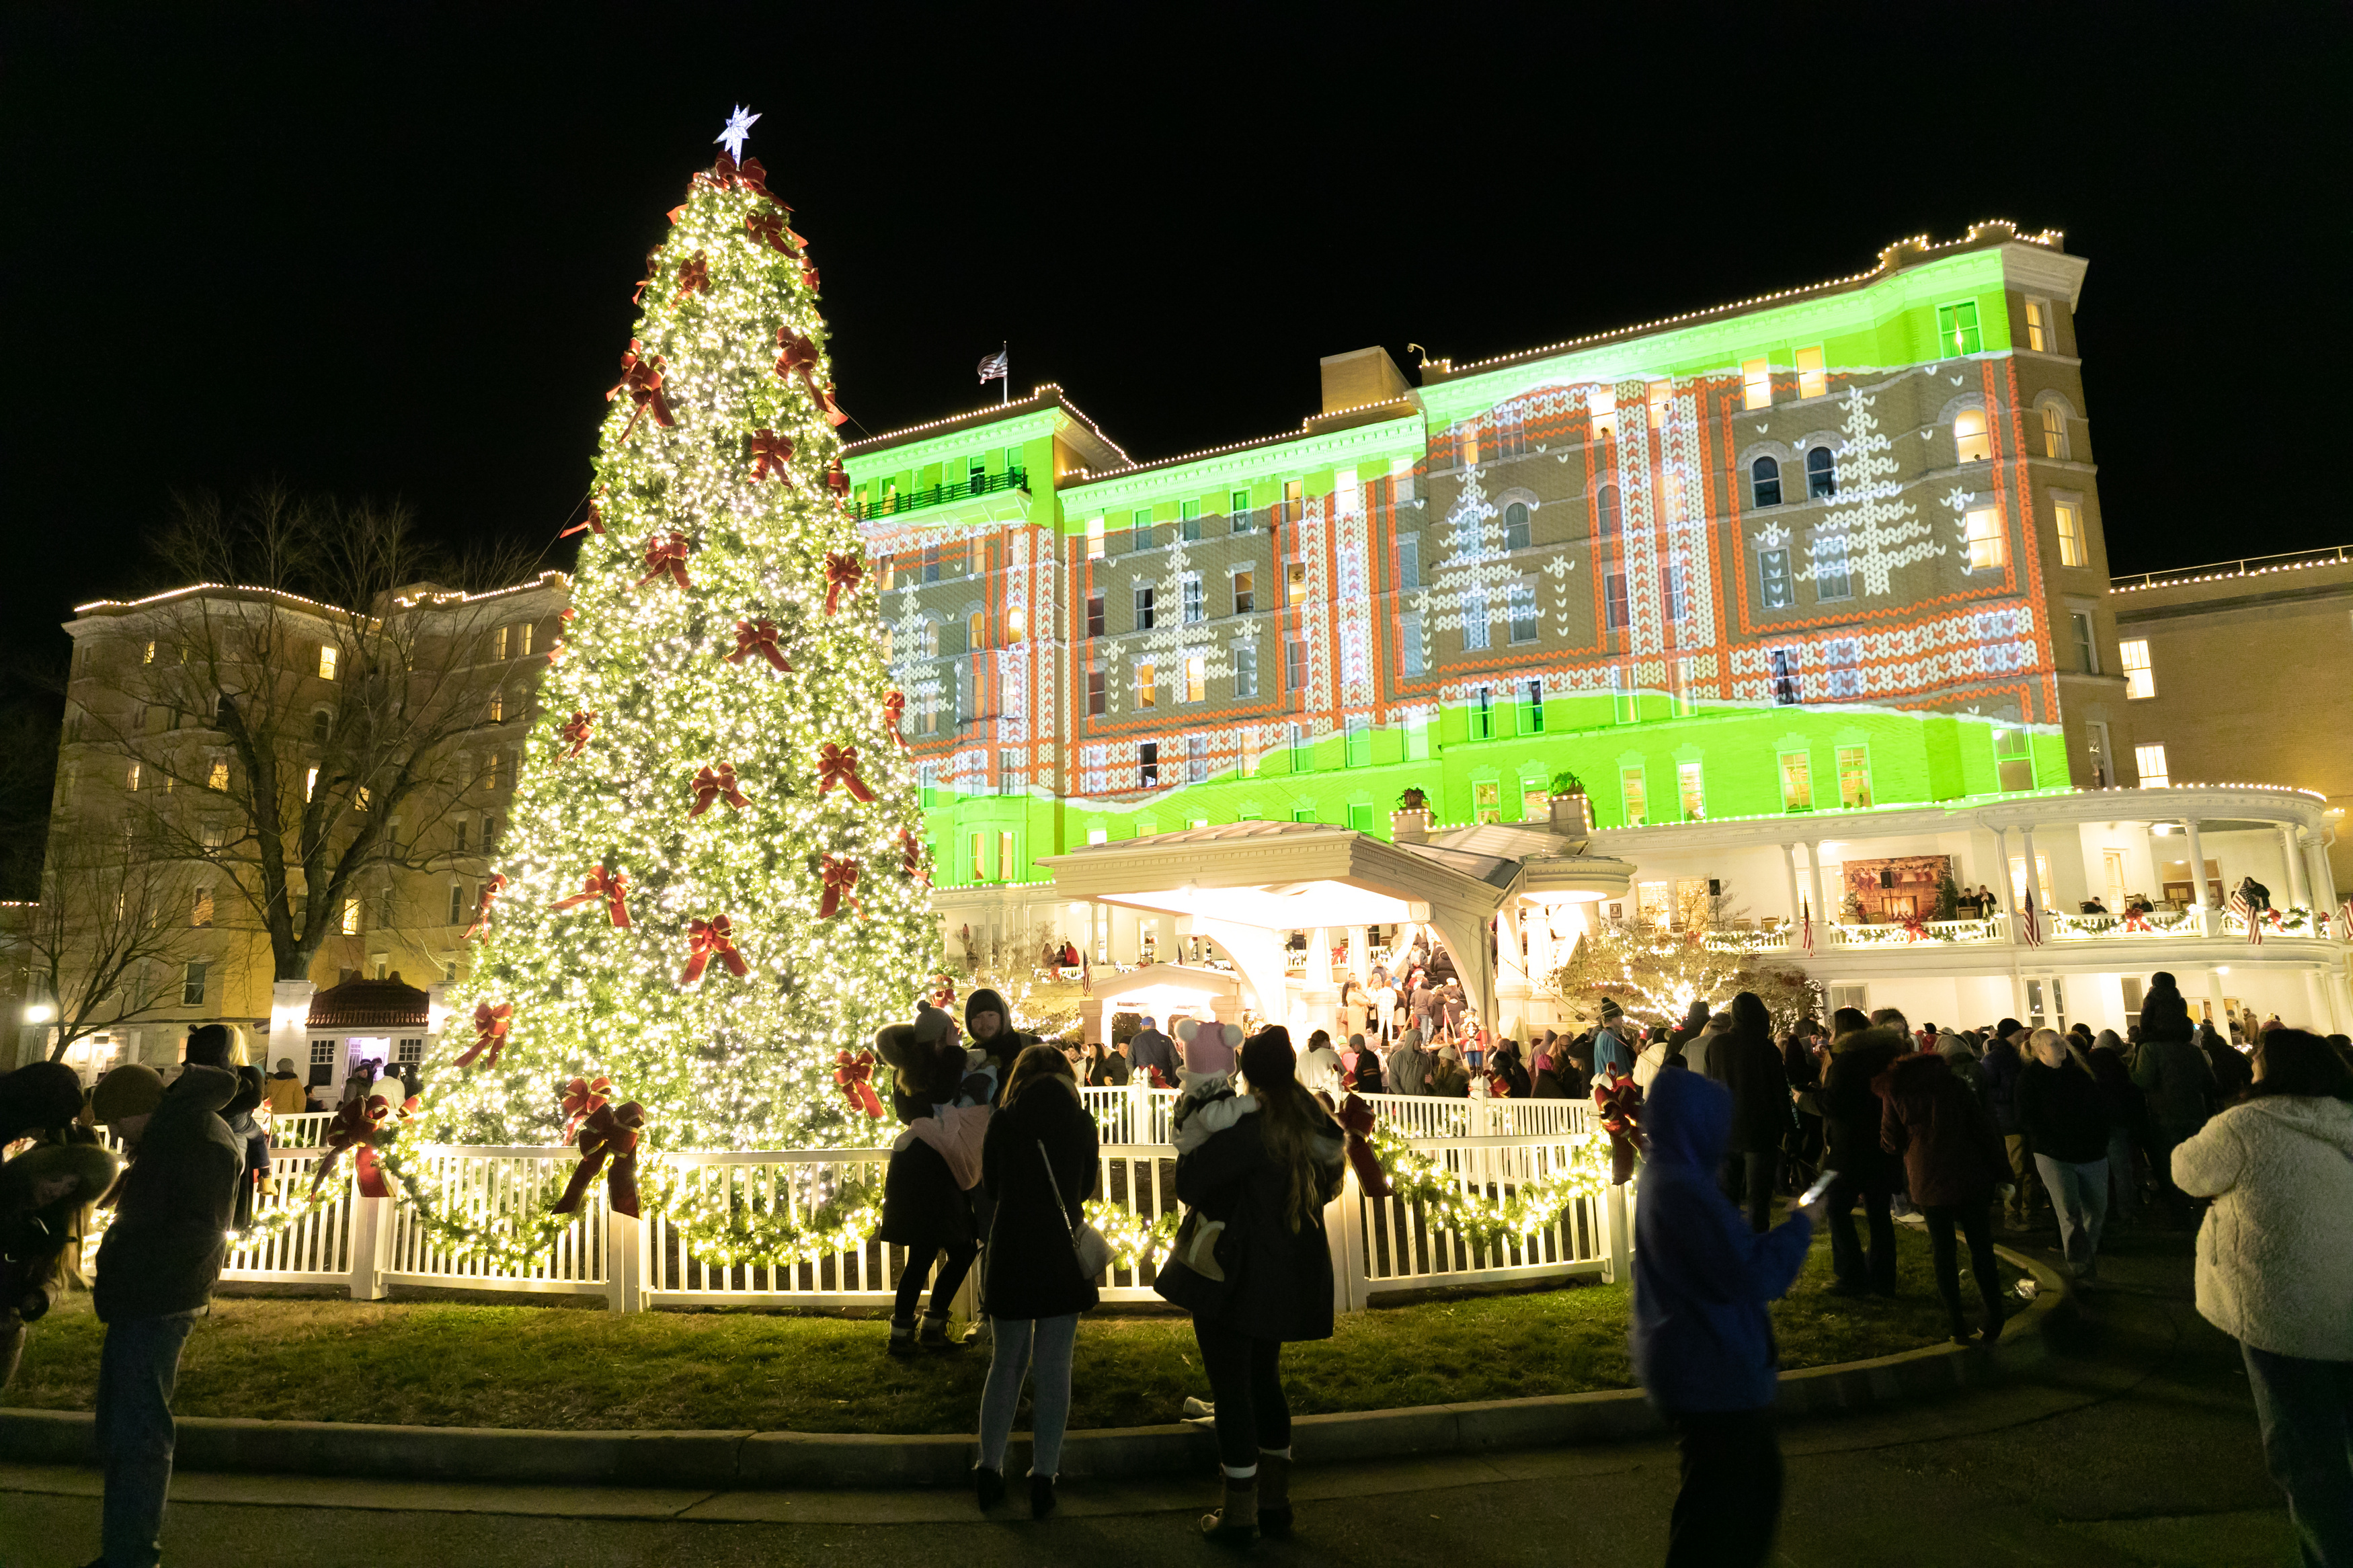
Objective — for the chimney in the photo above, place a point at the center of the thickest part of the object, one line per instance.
(1361, 376)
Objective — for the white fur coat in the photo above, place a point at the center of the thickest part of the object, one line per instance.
(2276, 1252)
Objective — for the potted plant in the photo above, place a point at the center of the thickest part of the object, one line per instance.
(1571, 813)
(1409, 823)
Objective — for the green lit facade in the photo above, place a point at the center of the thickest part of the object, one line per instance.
(1839, 546)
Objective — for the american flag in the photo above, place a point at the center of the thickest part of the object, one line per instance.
(1806, 926)
(2029, 924)
(2345, 918)
(998, 366)
(2247, 913)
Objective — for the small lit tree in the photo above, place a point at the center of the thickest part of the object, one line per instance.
(1656, 973)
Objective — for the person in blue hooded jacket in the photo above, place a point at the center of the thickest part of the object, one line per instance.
(1701, 1340)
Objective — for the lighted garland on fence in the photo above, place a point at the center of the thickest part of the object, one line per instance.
(266, 1224)
(511, 1242)
(1486, 1222)
(734, 1228)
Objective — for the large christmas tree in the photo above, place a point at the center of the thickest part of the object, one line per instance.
(714, 876)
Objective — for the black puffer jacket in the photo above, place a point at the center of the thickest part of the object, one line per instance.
(170, 1233)
(1751, 1067)
(1031, 1272)
(1279, 1279)
(1851, 1111)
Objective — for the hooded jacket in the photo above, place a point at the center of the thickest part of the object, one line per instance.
(2175, 1080)
(1852, 1113)
(170, 1233)
(2002, 1066)
(36, 1096)
(1408, 1065)
(2276, 1252)
(1953, 1156)
(2063, 1112)
(1003, 1045)
(1279, 1280)
(1700, 1337)
(1745, 1058)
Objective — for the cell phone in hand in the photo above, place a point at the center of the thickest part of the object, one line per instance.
(1821, 1185)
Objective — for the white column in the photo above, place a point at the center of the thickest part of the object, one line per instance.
(1319, 958)
(1814, 885)
(2033, 878)
(2005, 899)
(1358, 970)
(290, 1027)
(2292, 858)
(2197, 864)
(1790, 878)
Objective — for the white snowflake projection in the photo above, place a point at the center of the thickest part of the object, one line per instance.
(1181, 636)
(1873, 530)
(1473, 583)
(914, 662)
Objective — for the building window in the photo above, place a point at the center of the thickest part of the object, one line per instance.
(200, 914)
(1970, 442)
(2151, 762)
(1797, 781)
(1410, 641)
(1605, 506)
(1008, 861)
(191, 985)
(1831, 578)
(1197, 678)
(1773, 566)
(1474, 620)
(1417, 735)
(1532, 707)
(1141, 524)
(976, 631)
(1487, 802)
(1524, 612)
(490, 834)
(1359, 750)
(1301, 749)
(1294, 582)
(1295, 665)
(1482, 715)
(1516, 526)
(351, 916)
(328, 654)
(1189, 520)
(1246, 672)
(1017, 627)
(1245, 593)
(1147, 685)
(1811, 380)
(1147, 764)
(2095, 742)
(1614, 613)
(523, 637)
(495, 714)
(1677, 601)
(1095, 539)
(1765, 482)
(1854, 777)
(1957, 327)
(1009, 770)
(1681, 693)
(1625, 703)
(1238, 508)
(1844, 657)
(1601, 406)
(1095, 693)
(2140, 679)
(1295, 495)
(1821, 473)
(1193, 610)
(1756, 383)
(1631, 794)
(457, 903)
(2071, 551)
(977, 852)
(1144, 607)
(1658, 394)
(2087, 651)
(1094, 614)
(321, 724)
(1409, 548)
(1197, 763)
(2054, 433)
(1786, 693)
(1983, 528)
(2038, 325)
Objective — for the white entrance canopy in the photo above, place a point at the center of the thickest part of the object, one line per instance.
(1161, 990)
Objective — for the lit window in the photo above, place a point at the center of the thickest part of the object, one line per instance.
(2054, 433)
(1017, 625)
(1147, 685)
(327, 653)
(1516, 526)
(310, 783)
(1295, 495)
(1679, 695)
(1765, 481)
(2140, 679)
(1797, 781)
(976, 630)
(522, 640)
(148, 655)
(1614, 610)
(1983, 529)
(2150, 761)
(1970, 442)
(1691, 792)
(1821, 473)
(1660, 394)
(1957, 327)
(2071, 551)
(1466, 446)
(2038, 325)
(1007, 862)
(1097, 834)
(1197, 678)
(497, 708)
(1245, 593)
(1854, 777)
(1295, 582)
(1811, 380)
(131, 780)
(977, 848)
(1094, 538)
(1605, 507)
(351, 916)
(1524, 612)
(1756, 383)
(1487, 802)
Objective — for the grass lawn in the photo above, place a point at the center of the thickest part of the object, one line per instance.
(460, 1364)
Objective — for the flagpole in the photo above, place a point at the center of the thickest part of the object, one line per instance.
(1004, 382)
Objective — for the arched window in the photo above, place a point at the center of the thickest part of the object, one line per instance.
(1821, 473)
(1765, 481)
(1970, 442)
(976, 630)
(2054, 431)
(1606, 504)
(321, 724)
(1516, 526)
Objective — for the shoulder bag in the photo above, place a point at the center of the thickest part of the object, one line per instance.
(1087, 1243)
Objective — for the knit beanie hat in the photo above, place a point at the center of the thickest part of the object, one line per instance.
(131, 1089)
(1610, 1011)
(37, 1096)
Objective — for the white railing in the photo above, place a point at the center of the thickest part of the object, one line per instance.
(299, 1129)
(2079, 928)
(1390, 1244)
(1137, 1114)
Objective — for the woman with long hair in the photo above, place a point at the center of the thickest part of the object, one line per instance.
(1039, 1164)
(2065, 1119)
(1265, 1178)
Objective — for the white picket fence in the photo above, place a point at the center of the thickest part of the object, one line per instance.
(368, 1245)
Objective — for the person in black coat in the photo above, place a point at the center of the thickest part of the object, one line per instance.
(1802, 1150)
(1039, 1163)
(1751, 1067)
(2067, 1125)
(1265, 1178)
(924, 1209)
(1851, 1114)
(988, 1024)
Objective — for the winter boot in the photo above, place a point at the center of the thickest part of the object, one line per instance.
(1273, 1495)
(1236, 1520)
(933, 1335)
(902, 1338)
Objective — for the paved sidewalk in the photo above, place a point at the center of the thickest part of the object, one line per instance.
(2136, 1447)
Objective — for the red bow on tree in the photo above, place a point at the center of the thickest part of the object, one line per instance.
(808, 273)
(582, 1095)
(840, 874)
(841, 571)
(1619, 1103)
(609, 1131)
(749, 175)
(556, 648)
(694, 278)
(715, 785)
(894, 712)
(1158, 1082)
(490, 1033)
(613, 887)
(838, 766)
(641, 381)
(758, 638)
(594, 524)
(855, 1074)
(769, 226)
(770, 453)
(666, 557)
(799, 351)
(836, 480)
(944, 997)
(490, 890)
(1356, 1116)
(912, 848)
(576, 733)
(713, 938)
(355, 1121)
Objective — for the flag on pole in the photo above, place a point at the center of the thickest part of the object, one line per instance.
(998, 366)
(2246, 911)
(2345, 918)
(1806, 925)
(2029, 924)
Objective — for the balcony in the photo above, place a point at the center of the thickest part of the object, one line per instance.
(899, 501)
(2155, 926)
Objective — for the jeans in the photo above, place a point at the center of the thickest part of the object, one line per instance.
(1978, 1231)
(2305, 1408)
(1848, 1260)
(1731, 1498)
(2022, 1203)
(135, 1374)
(1748, 1181)
(958, 1265)
(2124, 1182)
(1246, 1379)
(2079, 1193)
(1050, 1409)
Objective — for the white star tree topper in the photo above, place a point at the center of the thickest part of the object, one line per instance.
(739, 126)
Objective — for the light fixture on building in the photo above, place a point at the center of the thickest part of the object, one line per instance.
(39, 1012)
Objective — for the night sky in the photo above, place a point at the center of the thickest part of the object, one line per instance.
(379, 249)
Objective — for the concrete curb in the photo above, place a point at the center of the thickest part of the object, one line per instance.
(758, 1461)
